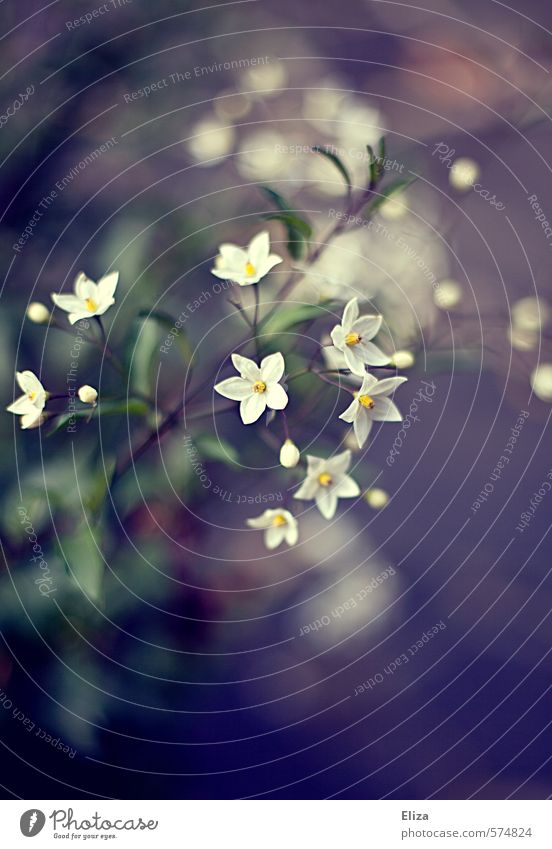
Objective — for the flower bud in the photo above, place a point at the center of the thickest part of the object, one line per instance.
(289, 454)
(402, 359)
(376, 498)
(38, 313)
(88, 395)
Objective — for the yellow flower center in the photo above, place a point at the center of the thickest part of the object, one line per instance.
(366, 401)
(91, 305)
(259, 386)
(352, 339)
(250, 269)
(279, 520)
(31, 395)
(324, 479)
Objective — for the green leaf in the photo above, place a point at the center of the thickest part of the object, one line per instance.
(167, 321)
(298, 232)
(288, 316)
(84, 560)
(128, 406)
(336, 161)
(100, 481)
(395, 188)
(214, 448)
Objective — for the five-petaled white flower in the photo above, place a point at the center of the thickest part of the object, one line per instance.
(90, 298)
(278, 525)
(246, 265)
(352, 338)
(256, 388)
(326, 481)
(29, 405)
(371, 404)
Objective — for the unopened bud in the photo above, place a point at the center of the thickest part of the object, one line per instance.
(376, 498)
(289, 454)
(88, 395)
(38, 313)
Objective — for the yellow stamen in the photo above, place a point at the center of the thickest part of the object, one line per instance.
(279, 520)
(249, 269)
(366, 401)
(31, 395)
(324, 479)
(352, 339)
(91, 305)
(259, 386)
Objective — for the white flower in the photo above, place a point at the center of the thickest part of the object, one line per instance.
(90, 298)
(278, 525)
(38, 313)
(371, 404)
(246, 265)
(327, 481)
(289, 454)
(352, 338)
(88, 395)
(29, 405)
(256, 388)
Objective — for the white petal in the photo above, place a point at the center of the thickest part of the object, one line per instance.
(292, 532)
(307, 490)
(30, 420)
(235, 388)
(368, 385)
(326, 501)
(276, 397)
(21, 406)
(107, 286)
(314, 465)
(252, 408)
(69, 303)
(385, 410)
(367, 326)
(231, 257)
(77, 316)
(362, 426)
(259, 249)
(339, 464)
(355, 364)
(351, 412)
(272, 368)
(338, 337)
(85, 288)
(262, 521)
(29, 382)
(388, 385)
(371, 354)
(272, 260)
(246, 367)
(274, 536)
(347, 488)
(350, 314)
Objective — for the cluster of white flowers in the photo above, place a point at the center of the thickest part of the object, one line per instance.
(259, 387)
(89, 299)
